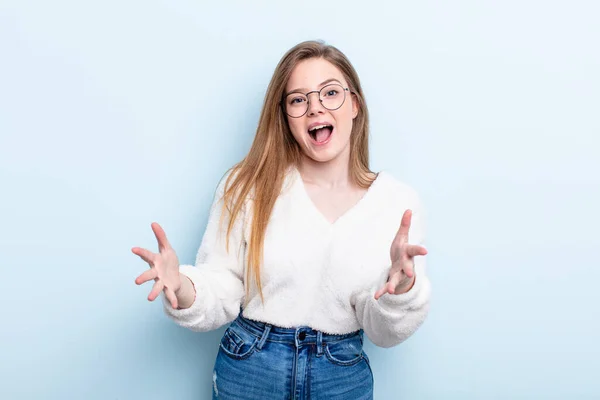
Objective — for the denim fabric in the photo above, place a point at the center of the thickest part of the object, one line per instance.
(261, 361)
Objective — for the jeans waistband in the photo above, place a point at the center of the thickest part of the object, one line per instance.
(297, 336)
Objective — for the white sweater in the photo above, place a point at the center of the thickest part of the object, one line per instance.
(314, 273)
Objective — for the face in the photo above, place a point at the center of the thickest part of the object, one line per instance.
(322, 133)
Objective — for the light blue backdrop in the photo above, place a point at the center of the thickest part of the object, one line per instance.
(115, 114)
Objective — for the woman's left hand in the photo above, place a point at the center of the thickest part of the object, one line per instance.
(402, 272)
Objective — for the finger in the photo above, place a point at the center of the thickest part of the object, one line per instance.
(381, 292)
(401, 277)
(390, 285)
(394, 280)
(146, 255)
(161, 236)
(171, 297)
(156, 289)
(413, 250)
(409, 269)
(146, 276)
(405, 267)
(402, 234)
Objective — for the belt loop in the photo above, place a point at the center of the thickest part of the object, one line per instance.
(263, 338)
(319, 343)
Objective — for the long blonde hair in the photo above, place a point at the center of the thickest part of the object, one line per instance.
(274, 150)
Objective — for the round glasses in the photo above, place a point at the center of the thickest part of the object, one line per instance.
(331, 97)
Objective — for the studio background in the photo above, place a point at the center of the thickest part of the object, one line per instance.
(115, 114)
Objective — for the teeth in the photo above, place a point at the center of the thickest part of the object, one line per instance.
(317, 127)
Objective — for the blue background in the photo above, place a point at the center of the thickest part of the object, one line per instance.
(115, 114)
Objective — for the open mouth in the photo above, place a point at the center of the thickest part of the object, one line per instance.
(321, 134)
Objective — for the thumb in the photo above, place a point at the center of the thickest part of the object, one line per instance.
(171, 297)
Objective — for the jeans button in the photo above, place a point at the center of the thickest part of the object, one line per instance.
(302, 335)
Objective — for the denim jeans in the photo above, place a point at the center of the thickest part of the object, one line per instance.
(262, 361)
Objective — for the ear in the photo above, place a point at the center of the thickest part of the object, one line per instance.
(355, 106)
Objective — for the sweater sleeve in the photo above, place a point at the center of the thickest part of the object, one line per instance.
(394, 318)
(218, 274)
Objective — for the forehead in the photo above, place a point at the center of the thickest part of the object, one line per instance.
(308, 74)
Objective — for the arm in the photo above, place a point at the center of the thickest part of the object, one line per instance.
(212, 291)
(186, 293)
(395, 317)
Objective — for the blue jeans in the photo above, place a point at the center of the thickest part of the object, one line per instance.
(262, 361)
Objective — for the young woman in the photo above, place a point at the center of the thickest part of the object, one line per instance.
(306, 249)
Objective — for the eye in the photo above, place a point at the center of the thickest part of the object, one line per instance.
(331, 92)
(296, 100)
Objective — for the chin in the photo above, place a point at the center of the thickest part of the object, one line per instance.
(323, 156)
(320, 158)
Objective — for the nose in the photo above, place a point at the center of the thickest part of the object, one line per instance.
(314, 104)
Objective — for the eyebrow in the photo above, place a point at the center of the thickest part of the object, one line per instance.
(304, 90)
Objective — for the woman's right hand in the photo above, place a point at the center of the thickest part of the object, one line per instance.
(164, 268)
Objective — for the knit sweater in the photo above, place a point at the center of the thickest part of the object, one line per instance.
(314, 273)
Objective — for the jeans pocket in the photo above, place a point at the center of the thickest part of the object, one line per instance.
(237, 343)
(345, 352)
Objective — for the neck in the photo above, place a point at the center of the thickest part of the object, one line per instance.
(329, 174)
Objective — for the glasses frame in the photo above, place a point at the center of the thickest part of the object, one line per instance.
(283, 104)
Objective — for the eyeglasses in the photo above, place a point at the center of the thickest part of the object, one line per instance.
(331, 97)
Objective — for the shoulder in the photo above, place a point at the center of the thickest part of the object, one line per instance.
(225, 181)
(395, 187)
(395, 192)
(228, 189)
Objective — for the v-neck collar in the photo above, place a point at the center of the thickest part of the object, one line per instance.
(303, 195)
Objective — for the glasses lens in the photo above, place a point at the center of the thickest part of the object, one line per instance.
(332, 96)
(296, 104)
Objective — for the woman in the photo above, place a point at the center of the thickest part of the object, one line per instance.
(302, 251)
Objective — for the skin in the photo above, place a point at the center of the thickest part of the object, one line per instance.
(164, 270)
(325, 169)
(332, 158)
(325, 174)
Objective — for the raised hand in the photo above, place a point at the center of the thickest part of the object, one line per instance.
(164, 268)
(402, 273)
